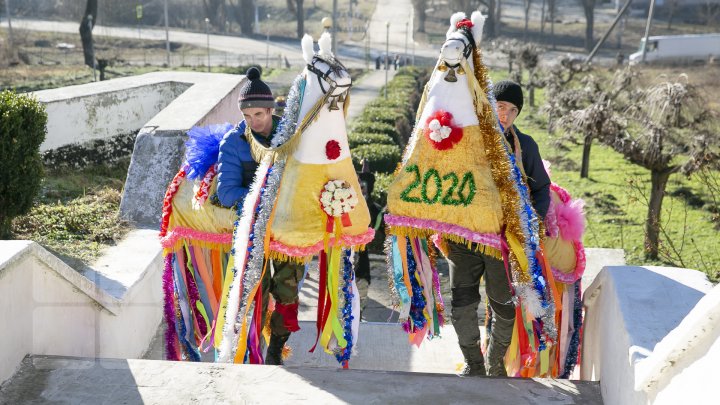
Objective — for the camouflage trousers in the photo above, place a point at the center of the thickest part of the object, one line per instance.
(281, 279)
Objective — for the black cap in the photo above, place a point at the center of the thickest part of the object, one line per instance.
(254, 92)
(509, 91)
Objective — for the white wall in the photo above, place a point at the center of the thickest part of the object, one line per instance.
(78, 114)
(51, 309)
(630, 310)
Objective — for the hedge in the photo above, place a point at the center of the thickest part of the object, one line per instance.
(363, 138)
(22, 130)
(381, 158)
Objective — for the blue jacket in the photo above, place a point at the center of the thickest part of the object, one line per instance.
(236, 167)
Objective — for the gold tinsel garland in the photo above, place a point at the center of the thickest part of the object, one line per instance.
(500, 165)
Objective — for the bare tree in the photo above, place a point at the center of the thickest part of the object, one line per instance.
(665, 128)
(526, 8)
(214, 10)
(599, 118)
(301, 18)
(672, 6)
(560, 97)
(420, 6)
(589, 10)
(492, 22)
(242, 11)
(86, 26)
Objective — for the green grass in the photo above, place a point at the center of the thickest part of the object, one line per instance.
(616, 205)
(76, 214)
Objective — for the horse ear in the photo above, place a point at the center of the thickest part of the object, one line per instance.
(454, 19)
(307, 48)
(478, 21)
(325, 44)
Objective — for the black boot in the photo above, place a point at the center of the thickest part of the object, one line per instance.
(274, 350)
(465, 322)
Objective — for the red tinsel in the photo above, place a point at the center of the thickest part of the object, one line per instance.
(167, 202)
(332, 149)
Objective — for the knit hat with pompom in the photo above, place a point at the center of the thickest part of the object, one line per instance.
(254, 92)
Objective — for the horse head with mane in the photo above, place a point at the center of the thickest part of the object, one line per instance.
(304, 201)
(459, 182)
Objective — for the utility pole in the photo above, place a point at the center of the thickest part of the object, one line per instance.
(167, 33)
(10, 33)
(618, 17)
(387, 54)
(267, 44)
(334, 28)
(647, 29)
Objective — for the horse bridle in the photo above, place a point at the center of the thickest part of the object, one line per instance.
(467, 51)
(334, 66)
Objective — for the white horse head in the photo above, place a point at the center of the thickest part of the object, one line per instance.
(448, 86)
(325, 79)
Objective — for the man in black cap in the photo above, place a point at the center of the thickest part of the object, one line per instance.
(236, 172)
(468, 265)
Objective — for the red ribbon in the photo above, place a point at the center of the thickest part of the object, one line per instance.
(346, 220)
(322, 268)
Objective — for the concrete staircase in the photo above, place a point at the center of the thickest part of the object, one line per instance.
(47, 379)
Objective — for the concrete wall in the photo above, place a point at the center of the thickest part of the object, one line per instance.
(212, 99)
(631, 314)
(102, 110)
(111, 309)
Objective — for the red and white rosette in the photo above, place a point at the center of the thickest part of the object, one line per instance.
(441, 131)
(338, 199)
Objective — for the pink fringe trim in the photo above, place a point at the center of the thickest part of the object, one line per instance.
(580, 262)
(345, 240)
(488, 239)
(180, 232)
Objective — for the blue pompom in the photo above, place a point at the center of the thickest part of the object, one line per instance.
(203, 147)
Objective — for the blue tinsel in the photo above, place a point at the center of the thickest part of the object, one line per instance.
(573, 348)
(192, 353)
(347, 315)
(203, 146)
(417, 303)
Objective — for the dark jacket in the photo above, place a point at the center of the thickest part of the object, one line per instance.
(236, 168)
(537, 178)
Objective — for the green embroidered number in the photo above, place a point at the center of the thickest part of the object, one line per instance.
(448, 199)
(438, 186)
(405, 194)
(449, 196)
(467, 182)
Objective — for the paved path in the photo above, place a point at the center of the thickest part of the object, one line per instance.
(367, 89)
(54, 380)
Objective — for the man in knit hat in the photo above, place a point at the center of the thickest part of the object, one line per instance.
(236, 172)
(468, 265)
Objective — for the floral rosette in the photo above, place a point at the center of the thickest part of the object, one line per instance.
(338, 199)
(441, 131)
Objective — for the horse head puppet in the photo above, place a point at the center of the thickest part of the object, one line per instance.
(304, 201)
(459, 182)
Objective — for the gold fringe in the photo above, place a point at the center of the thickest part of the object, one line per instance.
(182, 242)
(282, 257)
(404, 231)
(500, 165)
(346, 104)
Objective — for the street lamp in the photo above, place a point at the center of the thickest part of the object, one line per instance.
(267, 44)
(207, 34)
(387, 54)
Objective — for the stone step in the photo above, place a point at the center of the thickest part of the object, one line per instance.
(48, 379)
